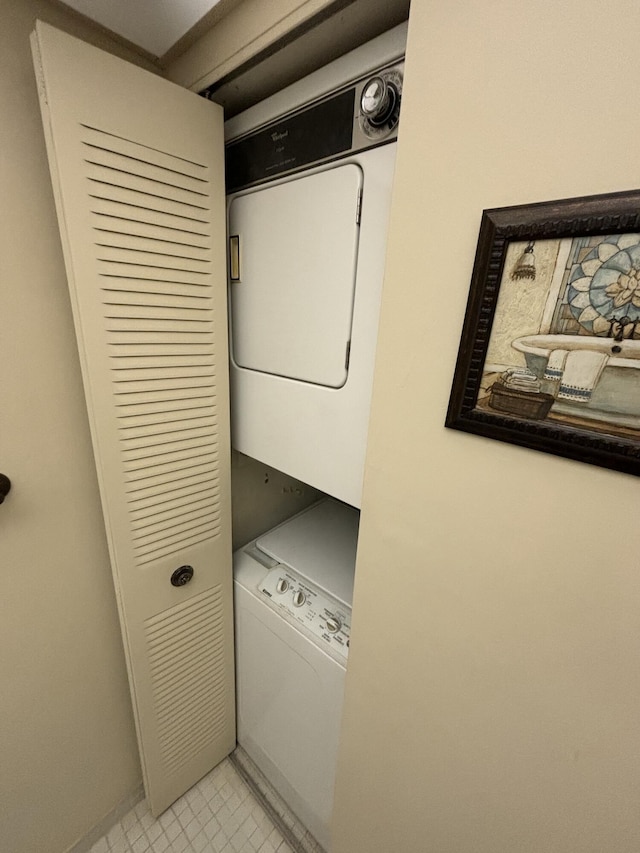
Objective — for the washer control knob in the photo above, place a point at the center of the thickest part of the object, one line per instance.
(333, 625)
(282, 585)
(299, 598)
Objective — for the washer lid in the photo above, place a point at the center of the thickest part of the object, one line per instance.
(319, 544)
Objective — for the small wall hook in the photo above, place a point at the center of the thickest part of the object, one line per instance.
(5, 487)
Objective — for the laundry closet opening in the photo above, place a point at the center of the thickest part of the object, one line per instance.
(309, 173)
(142, 218)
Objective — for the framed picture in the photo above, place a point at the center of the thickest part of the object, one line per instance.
(550, 350)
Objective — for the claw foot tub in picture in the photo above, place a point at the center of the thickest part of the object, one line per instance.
(591, 377)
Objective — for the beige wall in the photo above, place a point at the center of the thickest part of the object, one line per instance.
(493, 685)
(67, 744)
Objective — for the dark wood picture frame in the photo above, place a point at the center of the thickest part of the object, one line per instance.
(615, 218)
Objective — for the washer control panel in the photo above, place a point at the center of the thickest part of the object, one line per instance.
(312, 609)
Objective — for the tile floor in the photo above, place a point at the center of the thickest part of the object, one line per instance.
(218, 815)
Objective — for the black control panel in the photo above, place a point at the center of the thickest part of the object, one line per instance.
(347, 121)
(318, 133)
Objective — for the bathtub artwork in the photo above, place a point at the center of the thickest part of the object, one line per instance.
(565, 344)
(550, 351)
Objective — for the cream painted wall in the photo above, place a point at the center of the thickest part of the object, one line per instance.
(68, 753)
(493, 685)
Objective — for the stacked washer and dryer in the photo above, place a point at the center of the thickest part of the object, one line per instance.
(309, 176)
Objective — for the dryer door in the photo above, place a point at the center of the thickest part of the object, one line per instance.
(292, 307)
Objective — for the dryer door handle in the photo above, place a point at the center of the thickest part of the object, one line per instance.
(234, 257)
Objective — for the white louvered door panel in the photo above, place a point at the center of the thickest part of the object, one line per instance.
(137, 170)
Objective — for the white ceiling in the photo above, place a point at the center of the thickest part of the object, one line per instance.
(154, 25)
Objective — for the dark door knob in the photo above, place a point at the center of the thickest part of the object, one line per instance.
(182, 576)
(5, 487)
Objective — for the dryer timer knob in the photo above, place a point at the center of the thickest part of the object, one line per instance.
(378, 101)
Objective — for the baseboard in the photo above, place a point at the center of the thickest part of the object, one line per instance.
(292, 830)
(125, 805)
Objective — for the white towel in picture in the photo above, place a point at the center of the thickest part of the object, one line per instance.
(520, 379)
(582, 370)
(555, 365)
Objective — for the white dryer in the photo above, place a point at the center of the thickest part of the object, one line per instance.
(293, 593)
(309, 176)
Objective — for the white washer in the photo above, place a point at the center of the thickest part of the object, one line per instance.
(293, 594)
(309, 177)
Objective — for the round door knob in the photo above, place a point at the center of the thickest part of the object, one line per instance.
(5, 487)
(182, 576)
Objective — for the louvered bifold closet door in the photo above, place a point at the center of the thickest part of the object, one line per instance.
(137, 170)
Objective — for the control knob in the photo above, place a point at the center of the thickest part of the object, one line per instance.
(333, 625)
(282, 585)
(379, 100)
(299, 598)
